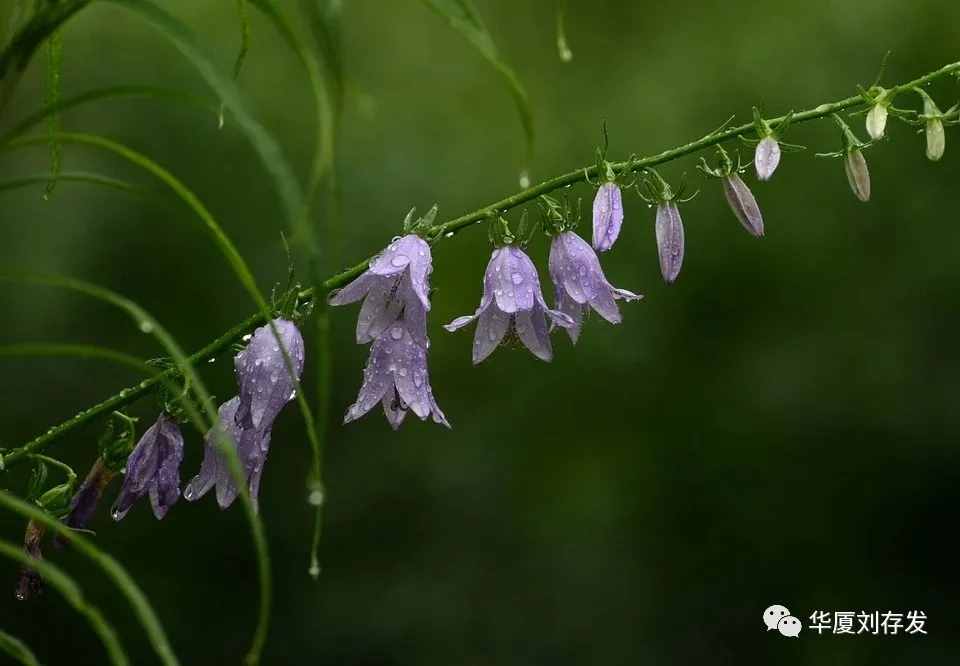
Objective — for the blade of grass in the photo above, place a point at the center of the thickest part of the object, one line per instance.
(68, 589)
(17, 650)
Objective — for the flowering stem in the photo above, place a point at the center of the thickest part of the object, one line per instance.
(450, 227)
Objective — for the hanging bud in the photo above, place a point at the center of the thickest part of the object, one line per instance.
(743, 204)
(933, 127)
(767, 157)
(877, 121)
(29, 583)
(738, 195)
(858, 174)
(669, 240)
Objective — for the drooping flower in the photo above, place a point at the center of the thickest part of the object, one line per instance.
(153, 469)
(766, 158)
(512, 303)
(266, 385)
(858, 175)
(580, 283)
(396, 376)
(397, 284)
(84, 502)
(246, 421)
(251, 446)
(607, 216)
(670, 240)
(743, 203)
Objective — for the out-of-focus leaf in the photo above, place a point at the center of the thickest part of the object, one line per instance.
(465, 19)
(51, 99)
(17, 649)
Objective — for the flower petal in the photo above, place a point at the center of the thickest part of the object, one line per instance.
(491, 328)
(266, 384)
(354, 291)
(767, 157)
(397, 256)
(514, 278)
(391, 408)
(669, 228)
(532, 330)
(572, 309)
(743, 204)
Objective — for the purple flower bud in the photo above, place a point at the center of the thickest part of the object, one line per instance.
(877, 121)
(857, 174)
(669, 229)
(153, 468)
(396, 285)
(84, 502)
(512, 302)
(607, 216)
(396, 376)
(580, 283)
(743, 204)
(767, 157)
(266, 385)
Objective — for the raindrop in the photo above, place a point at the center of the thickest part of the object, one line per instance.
(146, 326)
(247, 337)
(517, 278)
(396, 333)
(315, 498)
(400, 260)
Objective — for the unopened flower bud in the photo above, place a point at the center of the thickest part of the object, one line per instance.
(669, 229)
(767, 157)
(858, 174)
(743, 204)
(877, 121)
(936, 139)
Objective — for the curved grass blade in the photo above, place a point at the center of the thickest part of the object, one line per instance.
(73, 177)
(147, 324)
(465, 19)
(327, 89)
(17, 650)
(97, 94)
(43, 349)
(61, 582)
(266, 147)
(14, 58)
(52, 97)
(563, 46)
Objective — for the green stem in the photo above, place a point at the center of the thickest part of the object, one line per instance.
(453, 226)
(17, 649)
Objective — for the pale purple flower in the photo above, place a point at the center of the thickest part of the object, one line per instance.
(743, 204)
(246, 421)
(153, 469)
(512, 302)
(767, 157)
(251, 445)
(877, 121)
(858, 175)
(669, 228)
(580, 283)
(607, 216)
(397, 284)
(266, 385)
(396, 376)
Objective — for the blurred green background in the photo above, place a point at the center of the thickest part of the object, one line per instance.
(777, 427)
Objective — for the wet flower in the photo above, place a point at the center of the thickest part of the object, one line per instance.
(153, 469)
(251, 446)
(607, 216)
(877, 121)
(84, 502)
(766, 157)
(743, 203)
(933, 127)
(246, 421)
(396, 376)
(266, 385)
(512, 303)
(857, 174)
(397, 284)
(580, 283)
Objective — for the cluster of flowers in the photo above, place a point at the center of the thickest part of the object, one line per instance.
(395, 292)
(265, 387)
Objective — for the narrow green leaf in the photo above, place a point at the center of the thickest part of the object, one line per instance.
(17, 650)
(73, 177)
(464, 18)
(244, 37)
(42, 349)
(51, 99)
(61, 582)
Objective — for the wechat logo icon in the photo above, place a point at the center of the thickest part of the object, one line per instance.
(778, 617)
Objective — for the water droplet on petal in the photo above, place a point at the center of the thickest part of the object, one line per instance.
(517, 278)
(146, 326)
(400, 260)
(396, 333)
